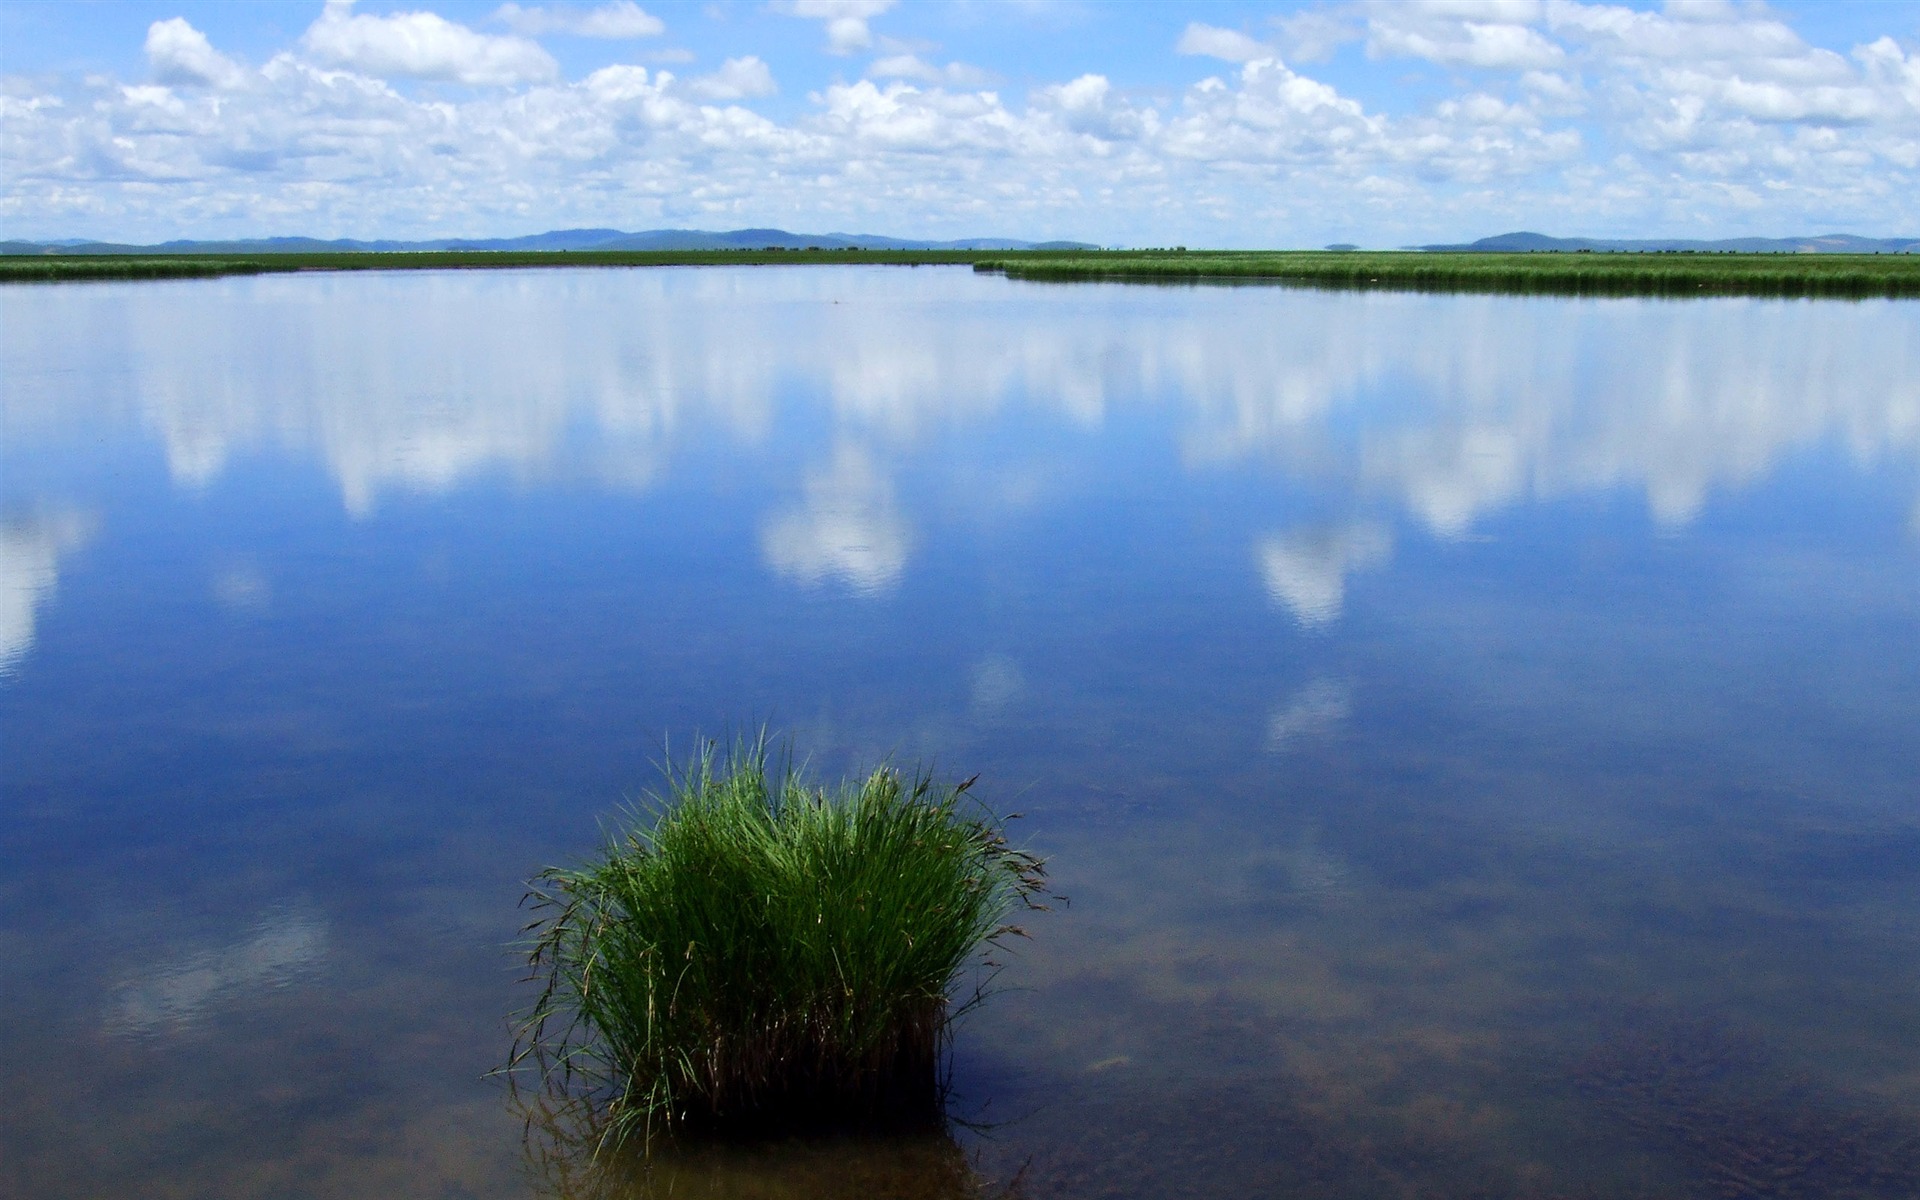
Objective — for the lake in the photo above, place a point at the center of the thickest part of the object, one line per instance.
(1475, 734)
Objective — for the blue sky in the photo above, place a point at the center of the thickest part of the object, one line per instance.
(1208, 124)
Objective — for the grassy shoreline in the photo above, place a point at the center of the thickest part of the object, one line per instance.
(1853, 276)
(1858, 276)
(58, 268)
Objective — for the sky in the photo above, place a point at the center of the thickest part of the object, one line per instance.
(1213, 124)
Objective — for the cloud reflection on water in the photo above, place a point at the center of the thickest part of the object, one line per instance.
(1306, 570)
(241, 587)
(847, 527)
(996, 681)
(1317, 709)
(177, 993)
(1444, 408)
(30, 551)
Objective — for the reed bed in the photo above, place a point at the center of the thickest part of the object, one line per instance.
(751, 952)
(1852, 276)
(57, 268)
(77, 268)
(1855, 276)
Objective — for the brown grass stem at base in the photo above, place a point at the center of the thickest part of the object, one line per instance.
(564, 1159)
(751, 952)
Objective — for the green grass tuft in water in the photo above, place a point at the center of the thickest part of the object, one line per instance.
(756, 952)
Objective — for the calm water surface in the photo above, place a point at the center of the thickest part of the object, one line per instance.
(1477, 734)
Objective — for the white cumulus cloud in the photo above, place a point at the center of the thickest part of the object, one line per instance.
(912, 66)
(1313, 35)
(1578, 117)
(617, 21)
(845, 20)
(1435, 33)
(1211, 41)
(1088, 106)
(423, 45)
(737, 79)
(181, 55)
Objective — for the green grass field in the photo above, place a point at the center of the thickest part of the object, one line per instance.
(1575, 274)
(753, 952)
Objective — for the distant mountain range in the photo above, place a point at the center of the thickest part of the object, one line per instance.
(559, 239)
(1831, 243)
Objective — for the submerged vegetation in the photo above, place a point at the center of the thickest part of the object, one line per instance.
(1573, 274)
(1567, 274)
(926, 1164)
(755, 952)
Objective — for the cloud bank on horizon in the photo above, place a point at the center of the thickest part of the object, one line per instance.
(1219, 124)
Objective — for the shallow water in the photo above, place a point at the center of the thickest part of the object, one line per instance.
(1475, 733)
